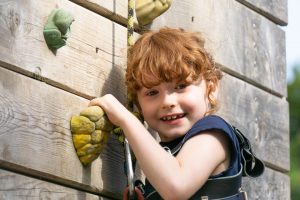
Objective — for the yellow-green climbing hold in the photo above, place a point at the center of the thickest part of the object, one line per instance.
(90, 132)
(82, 125)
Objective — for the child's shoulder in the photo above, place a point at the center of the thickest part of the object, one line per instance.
(210, 122)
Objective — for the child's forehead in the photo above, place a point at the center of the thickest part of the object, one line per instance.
(158, 82)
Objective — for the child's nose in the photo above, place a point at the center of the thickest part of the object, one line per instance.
(169, 101)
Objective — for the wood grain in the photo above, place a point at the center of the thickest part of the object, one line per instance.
(34, 114)
(35, 134)
(92, 62)
(31, 125)
(260, 116)
(271, 185)
(248, 45)
(18, 187)
(114, 10)
(276, 10)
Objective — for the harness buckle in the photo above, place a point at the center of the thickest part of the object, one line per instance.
(243, 194)
(204, 197)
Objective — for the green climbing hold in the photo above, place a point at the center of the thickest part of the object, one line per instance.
(57, 28)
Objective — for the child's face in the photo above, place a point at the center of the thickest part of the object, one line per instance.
(172, 108)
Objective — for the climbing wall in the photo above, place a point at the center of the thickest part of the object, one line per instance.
(40, 91)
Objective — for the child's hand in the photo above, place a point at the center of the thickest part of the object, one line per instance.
(139, 195)
(114, 110)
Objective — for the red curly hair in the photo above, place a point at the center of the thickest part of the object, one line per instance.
(167, 55)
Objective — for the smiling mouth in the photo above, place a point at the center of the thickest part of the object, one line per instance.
(172, 117)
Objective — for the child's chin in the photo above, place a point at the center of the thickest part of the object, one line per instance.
(166, 137)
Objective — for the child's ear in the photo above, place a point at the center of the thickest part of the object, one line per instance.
(215, 91)
(212, 90)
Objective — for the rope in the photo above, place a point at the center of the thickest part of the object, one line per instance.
(130, 22)
(128, 158)
(130, 30)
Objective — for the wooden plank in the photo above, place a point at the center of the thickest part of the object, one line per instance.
(31, 131)
(248, 45)
(115, 11)
(35, 134)
(271, 185)
(261, 116)
(92, 60)
(17, 187)
(245, 43)
(27, 121)
(252, 51)
(276, 11)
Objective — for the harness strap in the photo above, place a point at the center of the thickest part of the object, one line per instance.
(225, 188)
(252, 166)
(220, 188)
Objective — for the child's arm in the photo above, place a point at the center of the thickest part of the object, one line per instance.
(174, 177)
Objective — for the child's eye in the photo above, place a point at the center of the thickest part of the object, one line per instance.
(181, 86)
(151, 93)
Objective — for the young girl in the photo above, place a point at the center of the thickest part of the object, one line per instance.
(174, 83)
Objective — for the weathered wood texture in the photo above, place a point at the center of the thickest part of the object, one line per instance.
(251, 51)
(256, 113)
(271, 185)
(41, 128)
(114, 10)
(35, 134)
(249, 45)
(275, 10)
(18, 187)
(34, 115)
(92, 59)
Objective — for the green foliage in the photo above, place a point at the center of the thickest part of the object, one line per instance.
(295, 168)
(294, 101)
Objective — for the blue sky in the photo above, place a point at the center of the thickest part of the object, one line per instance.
(292, 36)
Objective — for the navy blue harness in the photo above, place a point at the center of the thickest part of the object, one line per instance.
(226, 185)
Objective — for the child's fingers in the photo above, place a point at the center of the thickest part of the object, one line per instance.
(125, 193)
(94, 102)
(139, 195)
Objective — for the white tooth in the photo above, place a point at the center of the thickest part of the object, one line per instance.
(173, 117)
(169, 118)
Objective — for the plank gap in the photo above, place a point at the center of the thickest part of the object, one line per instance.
(276, 168)
(22, 170)
(263, 13)
(44, 79)
(248, 80)
(96, 8)
(111, 15)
